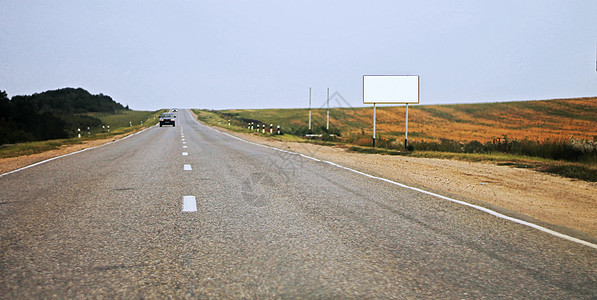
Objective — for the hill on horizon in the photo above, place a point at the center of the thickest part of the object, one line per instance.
(52, 114)
(69, 101)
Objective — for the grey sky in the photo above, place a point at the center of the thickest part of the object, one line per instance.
(261, 54)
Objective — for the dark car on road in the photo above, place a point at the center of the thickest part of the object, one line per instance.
(167, 119)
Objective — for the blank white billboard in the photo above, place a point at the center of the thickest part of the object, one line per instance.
(390, 89)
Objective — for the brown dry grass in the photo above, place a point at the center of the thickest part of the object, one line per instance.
(535, 120)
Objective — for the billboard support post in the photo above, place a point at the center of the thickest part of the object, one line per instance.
(373, 125)
(406, 129)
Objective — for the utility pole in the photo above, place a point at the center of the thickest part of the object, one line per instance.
(328, 113)
(309, 110)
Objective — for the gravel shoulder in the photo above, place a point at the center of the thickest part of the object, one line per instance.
(565, 205)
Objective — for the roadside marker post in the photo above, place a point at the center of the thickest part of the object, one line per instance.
(391, 89)
(79, 132)
(271, 128)
(278, 129)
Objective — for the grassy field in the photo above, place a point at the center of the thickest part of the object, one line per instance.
(119, 124)
(122, 118)
(534, 120)
(555, 136)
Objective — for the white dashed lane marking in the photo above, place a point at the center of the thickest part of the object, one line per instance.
(189, 204)
(184, 146)
(187, 167)
(185, 153)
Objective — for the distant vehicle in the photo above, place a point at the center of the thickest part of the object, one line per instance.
(167, 119)
(174, 109)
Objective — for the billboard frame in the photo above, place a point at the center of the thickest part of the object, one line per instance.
(388, 89)
(388, 94)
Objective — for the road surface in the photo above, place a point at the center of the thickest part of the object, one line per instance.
(188, 212)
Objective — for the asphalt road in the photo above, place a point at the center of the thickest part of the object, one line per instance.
(109, 222)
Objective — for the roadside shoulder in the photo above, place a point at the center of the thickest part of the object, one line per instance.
(14, 163)
(562, 204)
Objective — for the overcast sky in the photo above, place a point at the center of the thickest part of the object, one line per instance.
(266, 54)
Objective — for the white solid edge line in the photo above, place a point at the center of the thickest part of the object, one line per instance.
(477, 207)
(189, 204)
(72, 153)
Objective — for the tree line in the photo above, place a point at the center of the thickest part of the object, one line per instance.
(50, 115)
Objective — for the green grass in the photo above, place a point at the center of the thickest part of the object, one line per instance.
(122, 118)
(482, 157)
(33, 147)
(119, 124)
(370, 150)
(573, 171)
(216, 119)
